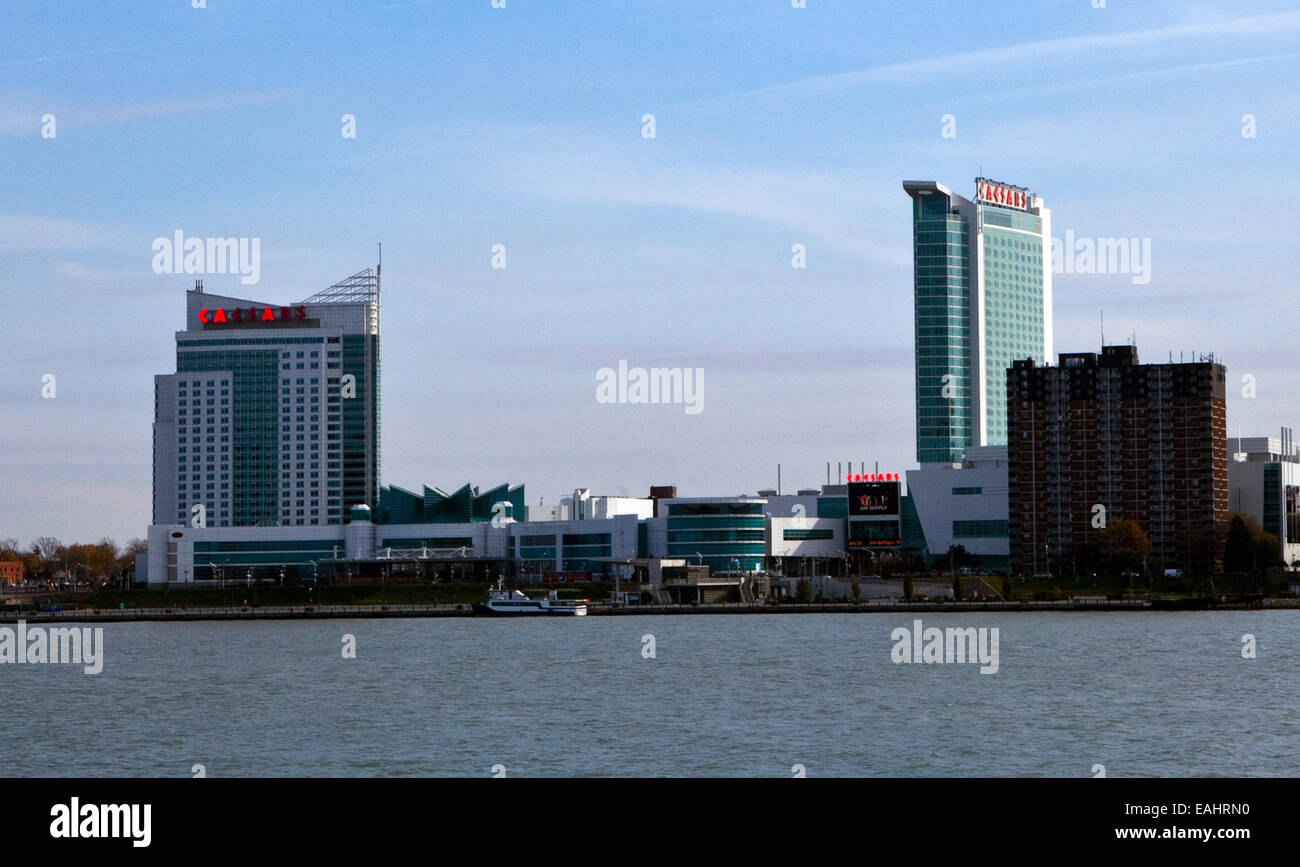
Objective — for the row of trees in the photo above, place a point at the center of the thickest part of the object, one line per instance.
(93, 564)
(1124, 547)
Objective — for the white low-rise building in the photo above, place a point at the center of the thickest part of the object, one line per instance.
(481, 550)
(965, 504)
(1264, 483)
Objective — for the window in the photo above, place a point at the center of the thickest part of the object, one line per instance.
(985, 529)
(793, 535)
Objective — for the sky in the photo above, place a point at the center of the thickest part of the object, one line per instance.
(523, 126)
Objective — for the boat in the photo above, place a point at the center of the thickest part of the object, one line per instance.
(502, 602)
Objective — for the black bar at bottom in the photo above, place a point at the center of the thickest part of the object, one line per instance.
(637, 816)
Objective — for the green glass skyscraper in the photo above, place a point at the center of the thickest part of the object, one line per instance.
(983, 299)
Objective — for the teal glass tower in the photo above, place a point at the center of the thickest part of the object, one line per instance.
(982, 289)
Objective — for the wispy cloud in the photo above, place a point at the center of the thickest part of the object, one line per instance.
(1020, 53)
(1163, 72)
(29, 121)
(26, 233)
(813, 206)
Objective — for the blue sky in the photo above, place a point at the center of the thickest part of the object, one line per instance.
(521, 126)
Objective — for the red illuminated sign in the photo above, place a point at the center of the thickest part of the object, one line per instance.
(251, 314)
(873, 477)
(1001, 194)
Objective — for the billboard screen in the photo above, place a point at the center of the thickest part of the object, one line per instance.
(874, 534)
(873, 498)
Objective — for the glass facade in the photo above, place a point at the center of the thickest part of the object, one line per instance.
(578, 547)
(1272, 522)
(980, 304)
(832, 507)
(913, 533)
(942, 329)
(253, 459)
(360, 434)
(990, 529)
(725, 536)
(428, 542)
(465, 506)
(789, 534)
(1013, 306)
(240, 561)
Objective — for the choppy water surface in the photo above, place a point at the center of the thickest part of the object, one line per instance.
(1143, 694)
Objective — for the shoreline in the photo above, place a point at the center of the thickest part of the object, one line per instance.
(332, 612)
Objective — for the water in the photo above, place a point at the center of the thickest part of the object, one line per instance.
(1143, 694)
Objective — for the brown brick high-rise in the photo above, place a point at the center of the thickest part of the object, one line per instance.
(1146, 441)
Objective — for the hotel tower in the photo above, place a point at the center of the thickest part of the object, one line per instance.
(272, 416)
(983, 299)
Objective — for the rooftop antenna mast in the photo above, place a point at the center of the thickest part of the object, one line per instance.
(1101, 318)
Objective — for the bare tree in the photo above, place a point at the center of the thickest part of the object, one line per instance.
(126, 558)
(47, 549)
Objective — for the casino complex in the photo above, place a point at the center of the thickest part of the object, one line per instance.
(266, 468)
(266, 451)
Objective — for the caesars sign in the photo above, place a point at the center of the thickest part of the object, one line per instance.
(994, 193)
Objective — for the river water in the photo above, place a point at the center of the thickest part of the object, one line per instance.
(1142, 694)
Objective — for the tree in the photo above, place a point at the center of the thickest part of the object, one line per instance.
(126, 559)
(47, 549)
(956, 588)
(956, 558)
(803, 591)
(907, 586)
(1268, 552)
(1006, 587)
(857, 591)
(1239, 548)
(1126, 545)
